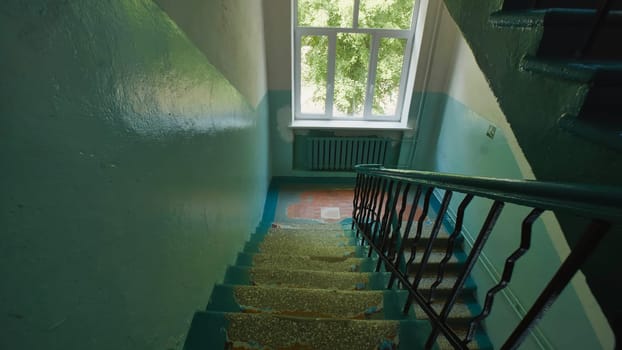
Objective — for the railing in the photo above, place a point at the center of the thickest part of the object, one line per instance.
(381, 200)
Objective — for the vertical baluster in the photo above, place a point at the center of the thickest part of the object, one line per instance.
(428, 249)
(451, 242)
(370, 208)
(413, 247)
(355, 199)
(506, 276)
(363, 198)
(489, 223)
(595, 231)
(376, 227)
(411, 217)
(420, 222)
(397, 232)
(435, 229)
(386, 225)
(368, 188)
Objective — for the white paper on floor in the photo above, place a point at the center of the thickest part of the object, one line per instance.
(330, 213)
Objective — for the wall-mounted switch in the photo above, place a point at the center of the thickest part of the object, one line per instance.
(491, 131)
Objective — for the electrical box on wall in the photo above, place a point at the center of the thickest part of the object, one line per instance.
(491, 131)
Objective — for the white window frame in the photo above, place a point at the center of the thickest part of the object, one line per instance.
(369, 120)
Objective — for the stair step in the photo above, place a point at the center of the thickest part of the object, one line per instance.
(305, 237)
(330, 230)
(579, 4)
(344, 224)
(305, 278)
(480, 340)
(216, 330)
(300, 262)
(565, 31)
(329, 280)
(323, 303)
(460, 315)
(343, 264)
(600, 119)
(317, 303)
(609, 135)
(593, 72)
(551, 16)
(304, 246)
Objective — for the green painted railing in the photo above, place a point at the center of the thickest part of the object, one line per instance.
(380, 199)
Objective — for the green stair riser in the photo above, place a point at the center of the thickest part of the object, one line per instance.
(211, 330)
(296, 262)
(306, 279)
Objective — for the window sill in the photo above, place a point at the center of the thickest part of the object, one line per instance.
(348, 124)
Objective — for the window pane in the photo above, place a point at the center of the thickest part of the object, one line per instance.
(388, 76)
(351, 68)
(325, 13)
(386, 14)
(313, 65)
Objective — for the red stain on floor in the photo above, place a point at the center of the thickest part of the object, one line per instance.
(311, 204)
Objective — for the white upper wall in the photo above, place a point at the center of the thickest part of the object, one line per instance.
(231, 35)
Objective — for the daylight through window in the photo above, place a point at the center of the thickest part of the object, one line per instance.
(351, 58)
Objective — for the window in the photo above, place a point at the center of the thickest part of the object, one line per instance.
(351, 60)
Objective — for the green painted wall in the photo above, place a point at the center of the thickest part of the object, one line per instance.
(533, 103)
(455, 142)
(132, 173)
(452, 138)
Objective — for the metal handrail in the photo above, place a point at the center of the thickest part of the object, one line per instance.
(375, 205)
(592, 201)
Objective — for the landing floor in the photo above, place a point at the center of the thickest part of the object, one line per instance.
(313, 203)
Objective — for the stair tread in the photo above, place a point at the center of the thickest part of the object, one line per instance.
(302, 278)
(243, 330)
(300, 245)
(304, 237)
(325, 279)
(305, 262)
(339, 263)
(302, 302)
(324, 303)
(550, 16)
(604, 72)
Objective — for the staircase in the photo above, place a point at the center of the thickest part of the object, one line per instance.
(312, 286)
(575, 49)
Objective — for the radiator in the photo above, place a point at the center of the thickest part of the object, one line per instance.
(342, 153)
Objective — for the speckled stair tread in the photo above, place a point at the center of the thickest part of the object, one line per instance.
(214, 330)
(327, 280)
(337, 264)
(309, 248)
(479, 342)
(316, 303)
(312, 226)
(461, 314)
(304, 238)
(305, 278)
(302, 262)
(314, 231)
